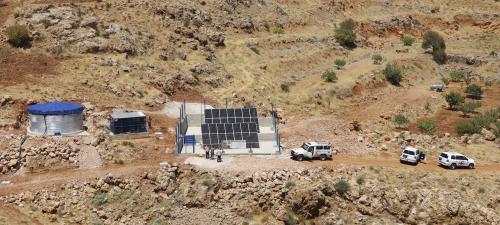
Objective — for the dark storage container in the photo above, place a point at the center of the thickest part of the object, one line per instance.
(128, 122)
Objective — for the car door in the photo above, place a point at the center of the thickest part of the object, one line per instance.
(310, 152)
(462, 161)
(318, 151)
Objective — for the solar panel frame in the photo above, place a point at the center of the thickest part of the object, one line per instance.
(230, 125)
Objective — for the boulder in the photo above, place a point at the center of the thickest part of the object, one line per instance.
(488, 135)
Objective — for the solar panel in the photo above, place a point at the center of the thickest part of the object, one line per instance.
(223, 125)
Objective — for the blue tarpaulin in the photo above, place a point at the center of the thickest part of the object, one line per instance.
(55, 108)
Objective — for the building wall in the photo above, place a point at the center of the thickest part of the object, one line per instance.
(49, 124)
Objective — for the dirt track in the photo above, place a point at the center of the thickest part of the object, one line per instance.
(240, 164)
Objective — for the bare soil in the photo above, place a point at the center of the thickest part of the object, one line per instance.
(21, 67)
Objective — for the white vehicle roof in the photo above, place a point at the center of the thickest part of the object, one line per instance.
(315, 143)
(453, 153)
(411, 149)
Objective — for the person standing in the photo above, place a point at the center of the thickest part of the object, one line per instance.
(212, 153)
(207, 151)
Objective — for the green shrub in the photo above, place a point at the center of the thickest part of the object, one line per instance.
(342, 187)
(400, 120)
(18, 36)
(453, 99)
(488, 83)
(208, 183)
(285, 87)
(393, 73)
(329, 76)
(469, 107)
(457, 76)
(481, 190)
(99, 199)
(496, 132)
(427, 126)
(289, 184)
(292, 218)
(433, 40)
(360, 180)
(479, 122)
(408, 40)
(377, 59)
(440, 56)
(340, 63)
(279, 30)
(474, 91)
(345, 33)
(467, 128)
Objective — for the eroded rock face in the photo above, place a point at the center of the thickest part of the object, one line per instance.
(84, 31)
(307, 194)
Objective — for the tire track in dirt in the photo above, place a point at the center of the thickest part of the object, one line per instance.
(239, 164)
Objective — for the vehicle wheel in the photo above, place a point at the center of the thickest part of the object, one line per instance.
(453, 166)
(471, 166)
(322, 157)
(300, 157)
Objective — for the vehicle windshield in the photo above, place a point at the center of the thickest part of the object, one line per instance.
(305, 146)
(444, 155)
(409, 152)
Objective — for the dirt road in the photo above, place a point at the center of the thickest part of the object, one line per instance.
(239, 164)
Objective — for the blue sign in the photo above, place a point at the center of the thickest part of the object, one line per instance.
(189, 139)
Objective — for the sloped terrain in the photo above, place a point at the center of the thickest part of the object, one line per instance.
(141, 54)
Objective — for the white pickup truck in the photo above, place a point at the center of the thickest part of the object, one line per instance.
(312, 150)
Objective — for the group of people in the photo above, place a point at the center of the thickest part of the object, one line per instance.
(212, 152)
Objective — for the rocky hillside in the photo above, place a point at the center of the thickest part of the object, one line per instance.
(350, 195)
(140, 54)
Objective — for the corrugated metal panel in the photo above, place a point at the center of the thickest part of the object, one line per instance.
(51, 124)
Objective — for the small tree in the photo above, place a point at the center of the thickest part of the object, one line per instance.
(400, 120)
(393, 73)
(427, 126)
(453, 99)
(474, 91)
(457, 76)
(18, 36)
(408, 40)
(345, 33)
(377, 59)
(469, 107)
(340, 63)
(329, 76)
(440, 56)
(433, 40)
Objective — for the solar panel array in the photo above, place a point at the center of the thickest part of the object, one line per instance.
(231, 125)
